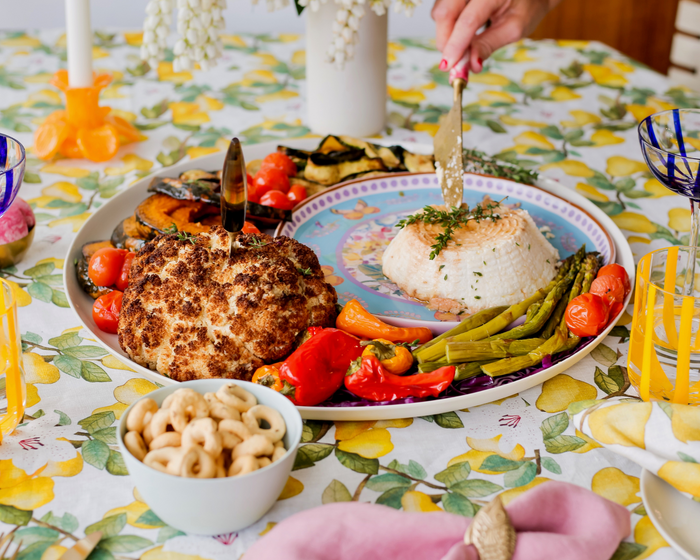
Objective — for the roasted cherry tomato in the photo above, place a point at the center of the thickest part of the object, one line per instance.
(123, 280)
(610, 288)
(106, 266)
(253, 195)
(619, 271)
(296, 194)
(281, 161)
(249, 228)
(587, 315)
(277, 199)
(105, 311)
(270, 178)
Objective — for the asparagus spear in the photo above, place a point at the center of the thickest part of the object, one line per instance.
(490, 349)
(558, 342)
(545, 310)
(432, 366)
(532, 311)
(465, 371)
(468, 324)
(588, 272)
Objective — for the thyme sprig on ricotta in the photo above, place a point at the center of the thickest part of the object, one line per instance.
(451, 220)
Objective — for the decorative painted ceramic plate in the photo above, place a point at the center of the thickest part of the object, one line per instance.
(474, 393)
(673, 514)
(350, 225)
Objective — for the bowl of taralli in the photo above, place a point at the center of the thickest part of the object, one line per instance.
(210, 456)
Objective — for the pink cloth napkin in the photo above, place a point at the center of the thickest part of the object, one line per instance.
(554, 521)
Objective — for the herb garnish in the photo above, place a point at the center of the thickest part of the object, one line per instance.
(476, 273)
(257, 243)
(451, 221)
(478, 162)
(305, 271)
(171, 229)
(184, 236)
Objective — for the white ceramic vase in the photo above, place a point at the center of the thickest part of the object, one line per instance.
(350, 101)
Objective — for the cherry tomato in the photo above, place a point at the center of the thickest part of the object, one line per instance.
(619, 271)
(610, 288)
(249, 228)
(123, 280)
(587, 315)
(106, 266)
(281, 161)
(270, 178)
(296, 194)
(105, 311)
(253, 195)
(277, 199)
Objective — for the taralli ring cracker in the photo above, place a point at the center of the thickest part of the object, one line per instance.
(214, 435)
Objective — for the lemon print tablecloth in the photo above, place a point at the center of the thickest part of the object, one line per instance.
(567, 109)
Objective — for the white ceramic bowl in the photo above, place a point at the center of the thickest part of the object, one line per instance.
(218, 505)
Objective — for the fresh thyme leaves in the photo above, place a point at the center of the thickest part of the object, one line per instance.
(257, 243)
(477, 297)
(476, 273)
(171, 229)
(184, 236)
(451, 220)
(441, 267)
(478, 162)
(305, 271)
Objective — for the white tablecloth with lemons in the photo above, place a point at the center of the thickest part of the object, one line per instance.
(568, 109)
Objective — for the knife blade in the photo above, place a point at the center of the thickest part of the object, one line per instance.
(447, 144)
(234, 191)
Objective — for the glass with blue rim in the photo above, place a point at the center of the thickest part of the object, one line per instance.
(12, 162)
(670, 143)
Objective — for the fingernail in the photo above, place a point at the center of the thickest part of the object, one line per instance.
(443, 64)
(480, 61)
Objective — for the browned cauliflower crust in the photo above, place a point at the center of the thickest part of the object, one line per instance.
(193, 312)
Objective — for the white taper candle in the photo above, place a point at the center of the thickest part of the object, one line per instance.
(79, 40)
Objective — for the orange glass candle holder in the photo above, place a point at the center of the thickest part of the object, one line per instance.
(83, 129)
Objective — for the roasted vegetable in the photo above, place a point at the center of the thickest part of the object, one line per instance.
(316, 369)
(161, 212)
(355, 319)
(418, 163)
(131, 234)
(207, 192)
(199, 175)
(396, 358)
(331, 144)
(82, 266)
(199, 191)
(334, 167)
(368, 378)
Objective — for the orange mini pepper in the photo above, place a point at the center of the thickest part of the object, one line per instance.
(269, 376)
(355, 319)
(395, 358)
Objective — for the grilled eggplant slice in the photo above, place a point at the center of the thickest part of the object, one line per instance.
(198, 175)
(131, 234)
(81, 269)
(418, 163)
(331, 173)
(199, 191)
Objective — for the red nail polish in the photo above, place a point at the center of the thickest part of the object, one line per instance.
(443, 64)
(480, 61)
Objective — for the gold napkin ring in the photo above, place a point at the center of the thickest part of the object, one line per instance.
(491, 532)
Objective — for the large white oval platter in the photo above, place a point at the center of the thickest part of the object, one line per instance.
(100, 225)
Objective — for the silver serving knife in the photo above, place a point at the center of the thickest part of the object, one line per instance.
(447, 144)
(234, 191)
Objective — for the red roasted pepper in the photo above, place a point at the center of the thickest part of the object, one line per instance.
(367, 378)
(317, 368)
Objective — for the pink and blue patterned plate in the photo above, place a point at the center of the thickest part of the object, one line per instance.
(349, 226)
